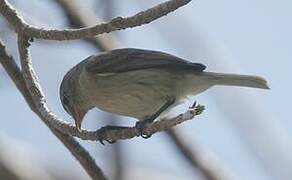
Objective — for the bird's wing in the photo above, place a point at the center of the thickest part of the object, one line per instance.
(124, 60)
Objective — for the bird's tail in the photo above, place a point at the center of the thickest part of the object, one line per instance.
(236, 80)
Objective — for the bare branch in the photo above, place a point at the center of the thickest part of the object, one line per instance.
(118, 23)
(14, 73)
(130, 132)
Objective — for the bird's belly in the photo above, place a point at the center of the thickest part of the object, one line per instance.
(137, 104)
(135, 94)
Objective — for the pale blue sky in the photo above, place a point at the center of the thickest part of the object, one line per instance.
(253, 35)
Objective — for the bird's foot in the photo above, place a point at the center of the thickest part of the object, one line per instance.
(140, 125)
(109, 128)
(197, 108)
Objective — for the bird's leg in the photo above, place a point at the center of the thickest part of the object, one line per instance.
(141, 124)
(109, 128)
(194, 105)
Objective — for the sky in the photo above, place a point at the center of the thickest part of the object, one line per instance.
(250, 37)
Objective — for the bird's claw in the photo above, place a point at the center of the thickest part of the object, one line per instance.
(194, 105)
(108, 128)
(140, 126)
(109, 141)
(145, 136)
(197, 108)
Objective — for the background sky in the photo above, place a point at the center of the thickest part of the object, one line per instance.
(247, 130)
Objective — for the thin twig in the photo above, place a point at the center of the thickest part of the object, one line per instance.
(118, 23)
(130, 132)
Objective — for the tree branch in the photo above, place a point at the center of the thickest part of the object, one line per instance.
(130, 132)
(14, 73)
(118, 23)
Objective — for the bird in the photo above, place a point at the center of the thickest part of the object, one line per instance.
(139, 83)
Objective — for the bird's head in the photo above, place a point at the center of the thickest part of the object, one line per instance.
(70, 99)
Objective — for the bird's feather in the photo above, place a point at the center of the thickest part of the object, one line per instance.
(125, 60)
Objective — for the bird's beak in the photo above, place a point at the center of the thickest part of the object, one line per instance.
(78, 117)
